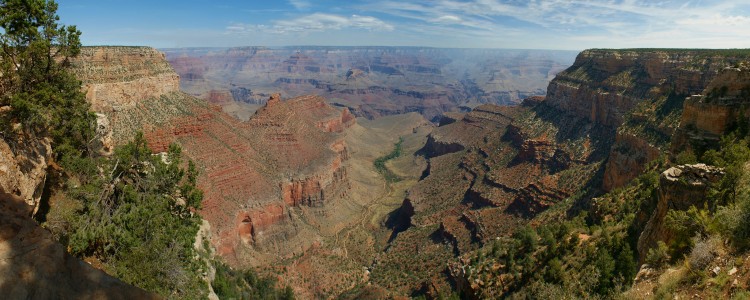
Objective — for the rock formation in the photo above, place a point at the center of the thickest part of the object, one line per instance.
(680, 188)
(722, 106)
(490, 171)
(23, 167)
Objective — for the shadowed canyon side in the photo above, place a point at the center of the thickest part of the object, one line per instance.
(505, 165)
(34, 265)
(371, 81)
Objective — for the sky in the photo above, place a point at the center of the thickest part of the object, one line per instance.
(534, 24)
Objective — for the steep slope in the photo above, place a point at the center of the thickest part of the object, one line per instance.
(489, 172)
(118, 77)
(722, 106)
(23, 167)
(371, 81)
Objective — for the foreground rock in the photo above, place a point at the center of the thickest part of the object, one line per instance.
(33, 265)
(680, 188)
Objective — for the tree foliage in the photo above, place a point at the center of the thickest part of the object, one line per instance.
(136, 213)
(43, 96)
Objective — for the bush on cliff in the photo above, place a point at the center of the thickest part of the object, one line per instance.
(136, 215)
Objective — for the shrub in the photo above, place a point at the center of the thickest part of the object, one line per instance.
(703, 253)
(658, 256)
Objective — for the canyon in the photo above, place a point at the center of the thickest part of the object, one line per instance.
(289, 179)
(370, 81)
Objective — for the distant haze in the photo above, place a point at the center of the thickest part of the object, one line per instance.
(536, 24)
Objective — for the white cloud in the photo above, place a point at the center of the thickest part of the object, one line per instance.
(575, 24)
(300, 4)
(317, 22)
(448, 19)
(560, 24)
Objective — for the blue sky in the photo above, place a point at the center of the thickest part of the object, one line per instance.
(536, 24)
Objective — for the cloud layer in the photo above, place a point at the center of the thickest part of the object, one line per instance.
(544, 24)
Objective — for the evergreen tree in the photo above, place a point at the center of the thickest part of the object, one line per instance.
(36, 88)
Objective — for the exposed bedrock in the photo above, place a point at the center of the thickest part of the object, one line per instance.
(680, 188)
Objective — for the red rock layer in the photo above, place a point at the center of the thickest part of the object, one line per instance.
(289, 154)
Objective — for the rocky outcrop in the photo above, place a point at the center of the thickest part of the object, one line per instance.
(316, 190)
(680, 188)
(104, 142)
(259, 177)
(119, 77)
(23, 167)
(33, 265)
(435, 147)
(258, 174)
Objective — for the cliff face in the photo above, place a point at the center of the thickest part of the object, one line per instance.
(490, 171)
(256, 174)
(604, 85)
(119, 77)
(265, 180)
(640, 92)
(23, 167)
(722, 106)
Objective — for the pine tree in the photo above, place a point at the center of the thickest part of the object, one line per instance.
(36, 89)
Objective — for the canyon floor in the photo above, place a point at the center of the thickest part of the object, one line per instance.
(343, 259)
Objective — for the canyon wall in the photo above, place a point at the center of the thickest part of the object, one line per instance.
(680, 188)
(24, 159)
(602, 121)
(258, 176)
(119, 77)
(641, 92)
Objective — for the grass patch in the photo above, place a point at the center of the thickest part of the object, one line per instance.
(380, 162)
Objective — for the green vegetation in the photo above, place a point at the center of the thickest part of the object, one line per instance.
(380, 162)
(231, 284)
(135, 213)
(592, 254)
(699, 53)
(43, 96)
